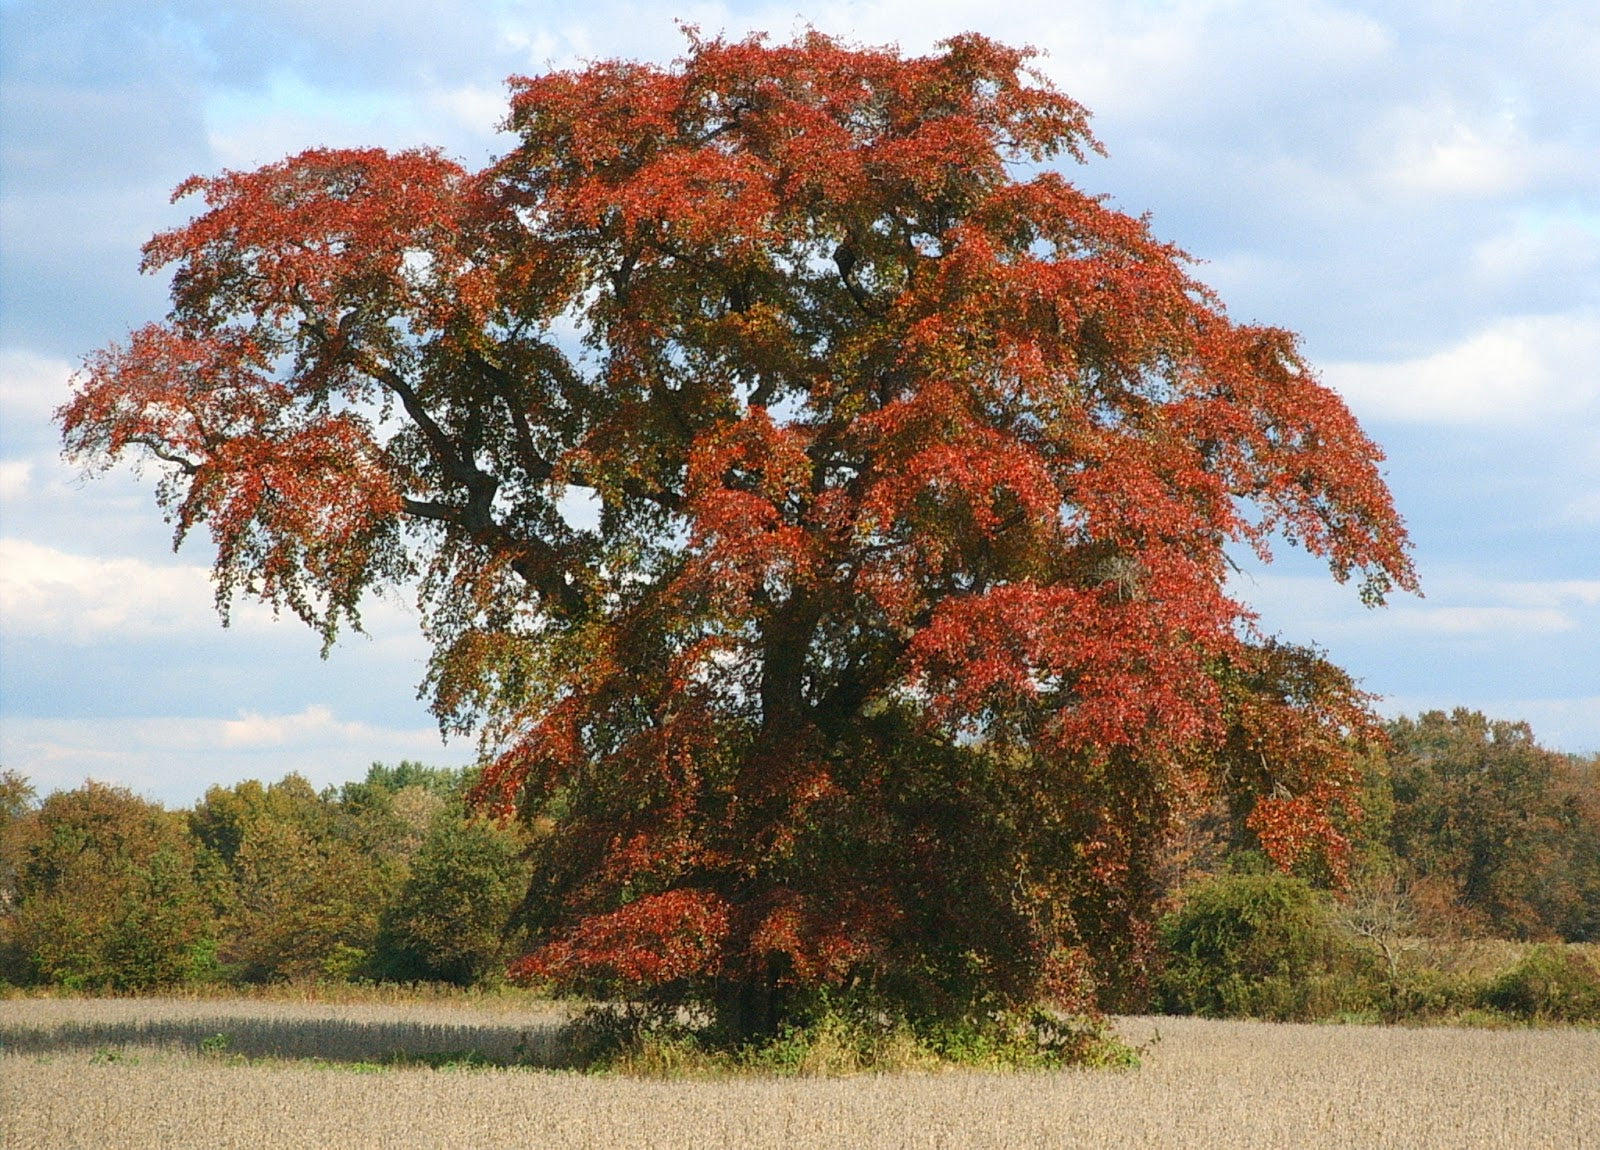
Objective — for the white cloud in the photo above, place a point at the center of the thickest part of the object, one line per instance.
(1202, 60)
(32, 386)
(1471, 138)
(1558, 245)
(249, 127)
(316, 723)
(1553, 592)
(1437, 153)
(1482, 620)
(472, 108)
(16, 475)
(1512, 609)
(44, 591)
(174, 759)
(1516, 369)
(85, 598)
(1458, 606)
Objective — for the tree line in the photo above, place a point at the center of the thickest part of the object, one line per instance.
(389, 878)
(1469, 832)
(1469, 829)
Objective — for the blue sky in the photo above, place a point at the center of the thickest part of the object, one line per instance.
(1413, 187)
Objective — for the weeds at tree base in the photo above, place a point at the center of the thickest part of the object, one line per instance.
(841, 1042)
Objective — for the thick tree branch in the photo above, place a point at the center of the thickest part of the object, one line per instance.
(540, 564)
(154, 446)
(534, 465)
(844, 257)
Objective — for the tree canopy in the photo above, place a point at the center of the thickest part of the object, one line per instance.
(897, 634)
(1500, 834)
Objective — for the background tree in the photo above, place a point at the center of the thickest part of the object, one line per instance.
(309, 878)
(899, 637)
(449, 919)
(1501, 828)
(391, 812)
(1570, 896)
(107, 892)
(17, 798)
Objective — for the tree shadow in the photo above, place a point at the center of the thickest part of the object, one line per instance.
(250, 1036)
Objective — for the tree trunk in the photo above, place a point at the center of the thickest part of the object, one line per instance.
(750, 1009)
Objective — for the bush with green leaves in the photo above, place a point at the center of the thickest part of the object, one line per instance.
(833, 1035)
(1260, 946)
(1551, 984)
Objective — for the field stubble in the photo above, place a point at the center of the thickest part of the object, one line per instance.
(225, 1074)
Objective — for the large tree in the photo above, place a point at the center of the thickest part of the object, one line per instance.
(897, 635)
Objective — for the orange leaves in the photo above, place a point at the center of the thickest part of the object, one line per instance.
(1004, 644)
(656, 939)
(934, 446)
(1095, 670)
(742, 141)
(551, 750)
(302, 518)
(314, 233)
(320, 484)
(746, 483)
(302, 510)
(168, 394)
(704, 197)
(1281, 439)
(819, 943)
(1297, 710)
(1295, 726)
(1292, 827)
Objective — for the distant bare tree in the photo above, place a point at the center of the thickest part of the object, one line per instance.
(1378, 909)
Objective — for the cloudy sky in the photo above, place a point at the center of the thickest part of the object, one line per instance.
(1412, 186)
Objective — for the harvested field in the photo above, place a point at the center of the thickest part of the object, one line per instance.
(251, 1029)
(141, 1073)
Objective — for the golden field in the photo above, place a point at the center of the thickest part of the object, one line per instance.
(261, 1073)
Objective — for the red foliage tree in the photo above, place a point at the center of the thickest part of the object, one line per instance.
(902, 636)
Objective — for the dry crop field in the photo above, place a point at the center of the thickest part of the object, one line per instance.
(182, 1073)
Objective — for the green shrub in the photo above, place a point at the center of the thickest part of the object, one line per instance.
(1424, 992)
(1260, 946)
(1551, 983)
